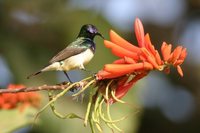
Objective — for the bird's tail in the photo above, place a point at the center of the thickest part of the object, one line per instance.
(34, 74)
(53, 66)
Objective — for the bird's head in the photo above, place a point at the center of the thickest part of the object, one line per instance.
(89, 31)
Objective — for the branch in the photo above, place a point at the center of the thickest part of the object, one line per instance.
(60, 86)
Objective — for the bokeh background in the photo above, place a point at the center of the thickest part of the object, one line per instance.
(31, 32)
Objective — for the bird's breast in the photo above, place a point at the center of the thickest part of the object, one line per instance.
(87, 56)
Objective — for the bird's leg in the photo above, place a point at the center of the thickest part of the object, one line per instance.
(67, 76)
(72, 89)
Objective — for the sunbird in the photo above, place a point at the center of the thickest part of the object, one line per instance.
(76, 54)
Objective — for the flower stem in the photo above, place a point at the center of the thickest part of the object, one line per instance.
(88, 108)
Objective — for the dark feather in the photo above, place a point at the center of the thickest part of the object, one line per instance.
(72, 49)
(66, 53)
(36, 73)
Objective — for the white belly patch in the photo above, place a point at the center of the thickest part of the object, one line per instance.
(73, 62)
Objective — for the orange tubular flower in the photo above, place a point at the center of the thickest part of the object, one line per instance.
(22, 99)
(175, 58)
(139, 60)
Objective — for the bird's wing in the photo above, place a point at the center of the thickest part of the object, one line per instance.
(69, 51)
(66, 53)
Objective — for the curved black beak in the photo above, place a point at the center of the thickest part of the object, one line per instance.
(100, 35)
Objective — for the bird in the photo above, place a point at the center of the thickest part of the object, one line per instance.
(76, 54)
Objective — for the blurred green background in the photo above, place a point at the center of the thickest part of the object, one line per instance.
(31, 32)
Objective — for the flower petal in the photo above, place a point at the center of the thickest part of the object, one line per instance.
(129, 60)
(150, 58)
(158, 59)
(149, 45)
(178, 62)
(175, 54)
(125, 60)
(118, 40)
(123, 89)
(107, 75)
(119, 51)
(180, 71)
(166, 51)
(181, 58)
(120, 61)
(127, 68)
(139, 32)
(183, 54)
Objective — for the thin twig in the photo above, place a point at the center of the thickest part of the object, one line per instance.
(40, 88)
